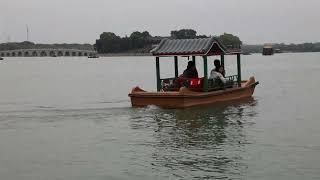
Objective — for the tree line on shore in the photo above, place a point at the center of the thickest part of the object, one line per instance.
(303, 47)
(143, 42)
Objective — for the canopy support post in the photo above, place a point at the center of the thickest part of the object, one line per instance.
(239, 69)
(176, 72)
(205, 73)
(158, 74)
(194, 60)
(222, 60)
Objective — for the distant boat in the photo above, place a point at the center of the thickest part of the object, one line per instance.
(267, 50)
(93, 56)
(1, 58)
(278, 51)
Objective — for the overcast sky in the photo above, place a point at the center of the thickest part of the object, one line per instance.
(82, 21)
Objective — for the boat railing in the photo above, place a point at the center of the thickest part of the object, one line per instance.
(233, 78)
(174, 84)
(217, 84)
(170, 84)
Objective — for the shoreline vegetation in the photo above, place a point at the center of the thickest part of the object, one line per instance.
(143, 42)
(149, 54)
(124, 54)
(284, 48)
(140, 43)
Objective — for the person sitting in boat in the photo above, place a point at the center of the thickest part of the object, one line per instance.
(191, 71)
(219, 68)
(217, 72)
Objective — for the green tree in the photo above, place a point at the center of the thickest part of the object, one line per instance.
(111, 43)
(138, 35)
(108, 42)
(230, 40)
(139, 40)
(109, 36)
(184, 34)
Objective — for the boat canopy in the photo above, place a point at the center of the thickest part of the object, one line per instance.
(194, 47)
(191, 47)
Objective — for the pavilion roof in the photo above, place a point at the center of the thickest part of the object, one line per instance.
(190, 47)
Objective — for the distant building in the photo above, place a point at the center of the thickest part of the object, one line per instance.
(267, 50)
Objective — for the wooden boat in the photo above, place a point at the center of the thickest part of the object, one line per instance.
(180, 92)
(278, 51)
(1, 58)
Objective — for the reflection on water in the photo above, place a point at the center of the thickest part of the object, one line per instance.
(202, 142)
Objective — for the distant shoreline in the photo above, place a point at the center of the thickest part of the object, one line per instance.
(124, 54)
(149, 54)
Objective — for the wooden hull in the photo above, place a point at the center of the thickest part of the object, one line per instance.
(185, 98)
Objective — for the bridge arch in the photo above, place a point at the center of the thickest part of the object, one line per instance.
(26, 53)
(34, 53)
(13, 54)
(80, 54)
(43, 53)
(19, 53)
(67, 53)
(2, 54)
(8, 54)
(74, 53)
(60, 53)
(52, 53)
(85, 54)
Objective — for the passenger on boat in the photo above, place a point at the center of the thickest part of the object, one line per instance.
(216, 75)
(218, 72)
(219, 68)
(191, 71)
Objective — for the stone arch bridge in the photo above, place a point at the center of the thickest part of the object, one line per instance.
(46, 52)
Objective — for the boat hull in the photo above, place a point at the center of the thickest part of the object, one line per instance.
(185, 98)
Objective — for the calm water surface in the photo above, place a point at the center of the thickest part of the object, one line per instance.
(70, 118)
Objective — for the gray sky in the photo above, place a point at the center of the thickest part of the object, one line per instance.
(82, 21)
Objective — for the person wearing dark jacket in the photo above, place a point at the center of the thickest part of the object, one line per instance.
(191, 71)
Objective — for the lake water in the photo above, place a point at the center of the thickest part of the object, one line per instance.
(70, 118)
